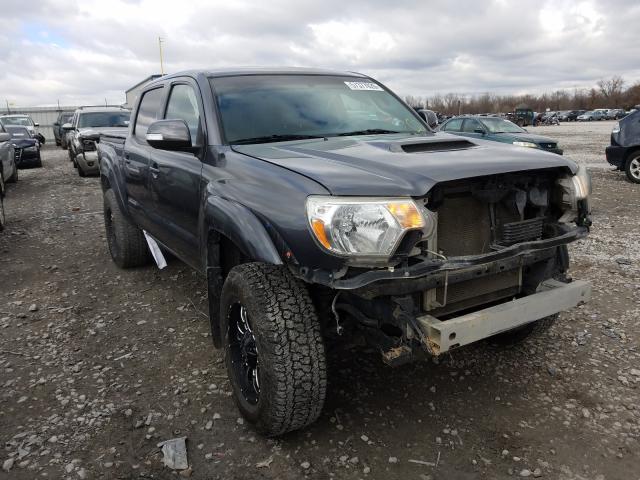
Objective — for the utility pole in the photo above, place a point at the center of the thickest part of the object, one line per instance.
(160, 41)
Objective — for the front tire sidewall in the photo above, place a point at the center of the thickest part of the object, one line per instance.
(291, 355)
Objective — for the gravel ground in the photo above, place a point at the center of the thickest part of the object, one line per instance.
(98, 365)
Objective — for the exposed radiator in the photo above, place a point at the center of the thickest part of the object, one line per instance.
(523, 231)
(464, 226)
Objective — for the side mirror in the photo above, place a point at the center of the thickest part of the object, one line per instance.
(431, 118)
(5, 137)
(169, 135)
(36, 124)
(67, 126)
(56, 124)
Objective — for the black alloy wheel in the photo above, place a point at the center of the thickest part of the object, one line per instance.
(243, 352)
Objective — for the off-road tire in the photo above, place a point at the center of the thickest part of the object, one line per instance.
(14, 177)
(3, 187)
(632, 167)
(126, 242)
(291, 353)
(2, 218)
(520, 334)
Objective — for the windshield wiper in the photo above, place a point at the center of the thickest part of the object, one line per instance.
(273, 138)
(369, 131)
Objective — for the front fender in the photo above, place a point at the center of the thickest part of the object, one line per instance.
(242, 227)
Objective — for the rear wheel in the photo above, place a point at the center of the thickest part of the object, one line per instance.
(126, 242)
(274, 351)
(14, 177)
(2, 219)
(632, 167)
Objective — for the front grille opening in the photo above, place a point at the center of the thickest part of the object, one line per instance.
(437, 146)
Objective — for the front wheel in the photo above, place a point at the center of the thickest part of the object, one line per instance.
(274, 351)
(13, 178)
(632, 168)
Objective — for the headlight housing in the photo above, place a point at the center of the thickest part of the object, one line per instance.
(616, 128)
(359, 226)
(525, 144)
(574, 191)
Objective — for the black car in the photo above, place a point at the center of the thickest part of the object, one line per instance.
(27, 147)
(624, 151)
(316, 203)
(58, 132)
(570, 115)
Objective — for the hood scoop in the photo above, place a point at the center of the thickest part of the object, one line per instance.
(437, 146)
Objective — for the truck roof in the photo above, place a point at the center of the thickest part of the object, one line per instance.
(226, 72)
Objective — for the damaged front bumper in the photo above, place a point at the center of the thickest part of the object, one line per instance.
(88, 161)
(552, 297)
(430, 267)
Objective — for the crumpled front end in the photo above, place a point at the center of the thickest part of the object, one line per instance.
(496, 242)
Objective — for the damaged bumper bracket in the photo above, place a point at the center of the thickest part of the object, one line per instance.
(552, 297)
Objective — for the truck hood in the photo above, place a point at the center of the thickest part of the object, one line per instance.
(399, 165)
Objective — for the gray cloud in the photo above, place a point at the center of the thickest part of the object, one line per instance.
(86, 51)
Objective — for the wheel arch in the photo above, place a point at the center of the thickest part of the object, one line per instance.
(232, 235)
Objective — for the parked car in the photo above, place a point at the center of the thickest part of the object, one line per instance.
(615, 114)
(58, 131)
(624, 151)
(8, 169)
(21, 120)
(27, 147)
(591, 116)
(571, 115)
(498, 130)
(317, 202)
(85, 130)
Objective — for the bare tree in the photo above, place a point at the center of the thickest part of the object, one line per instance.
(611, 89)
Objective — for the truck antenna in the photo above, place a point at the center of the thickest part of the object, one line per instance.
(160, 41)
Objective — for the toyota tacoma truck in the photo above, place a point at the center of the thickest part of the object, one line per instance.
(317, 203)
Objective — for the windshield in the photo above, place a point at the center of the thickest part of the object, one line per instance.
(65, 117)
(499, 125)
(267, 108)
(23, 121)
(19, 132)
(104, 119)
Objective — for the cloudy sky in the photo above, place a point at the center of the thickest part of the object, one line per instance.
(81, 52)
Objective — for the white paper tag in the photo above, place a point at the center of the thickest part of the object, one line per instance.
(156, 253)
(364, 86)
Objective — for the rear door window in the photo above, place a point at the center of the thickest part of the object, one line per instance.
(147, 112)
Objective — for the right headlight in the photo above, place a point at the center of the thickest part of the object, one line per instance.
(357, 226)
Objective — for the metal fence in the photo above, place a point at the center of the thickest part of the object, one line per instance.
(45, 116)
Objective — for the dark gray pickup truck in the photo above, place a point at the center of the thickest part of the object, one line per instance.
(318, 204)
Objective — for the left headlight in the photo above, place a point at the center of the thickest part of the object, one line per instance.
(574, 196)
(363, 226)
(525, 144)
